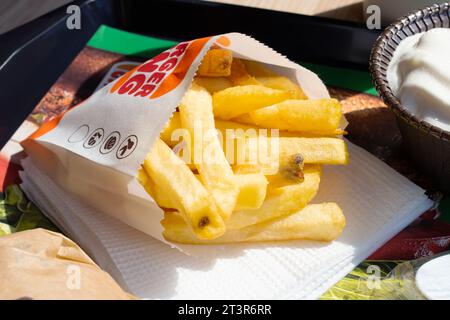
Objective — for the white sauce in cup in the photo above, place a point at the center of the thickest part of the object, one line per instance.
(419, 75)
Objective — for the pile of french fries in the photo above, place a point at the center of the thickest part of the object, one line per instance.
(225, 192)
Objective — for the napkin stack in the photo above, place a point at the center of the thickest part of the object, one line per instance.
(377, 202)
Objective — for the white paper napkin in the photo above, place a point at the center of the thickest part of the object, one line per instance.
(377, 202)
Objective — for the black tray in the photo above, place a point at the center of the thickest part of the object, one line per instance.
(34, 55)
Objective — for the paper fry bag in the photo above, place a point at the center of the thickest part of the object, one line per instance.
(95, 149)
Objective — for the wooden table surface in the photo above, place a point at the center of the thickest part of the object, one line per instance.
(351, 10)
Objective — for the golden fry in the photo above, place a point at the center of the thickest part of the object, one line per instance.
(257, 69)
(286, 155)
(283, 83)
(196, 116)
(234, 101)
(317, 222)
(247, 121)
(173, 124)
(223, 125)
(323, 115)
(172, 177)
(252, 190)
(280, 201)
(315, 150)
(272, 80)
(161, 198)
(216, 63)
(213, 85)
(239, 75)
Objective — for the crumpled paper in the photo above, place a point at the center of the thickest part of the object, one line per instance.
(41, 264)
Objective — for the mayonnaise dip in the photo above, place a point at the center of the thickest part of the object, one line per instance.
(419, 75)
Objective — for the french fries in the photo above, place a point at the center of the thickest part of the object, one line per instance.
(161, 198)
(256, 69)
(322, 150)
(234, 101)
(322, 115)
(214, 84)
(269, 79)
(290, 151)
(245, 120)
(283, 83)
(239, 75)
(252, 190)
(190, 197)
(209, 159)
(280, 201)
(173, 124)
(247, 150)
(319, 222)
(216, 63)
(223, 125)
(235, 127)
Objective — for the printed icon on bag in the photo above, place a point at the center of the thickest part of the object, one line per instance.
(79, 134)
(94, 139)
(127, 147)
(110, 142)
